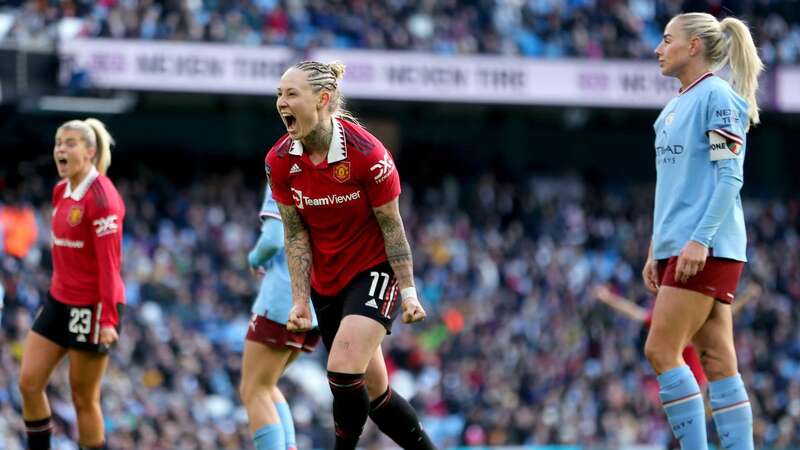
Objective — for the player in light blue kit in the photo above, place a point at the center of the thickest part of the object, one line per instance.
(269, 348)
(698, 245)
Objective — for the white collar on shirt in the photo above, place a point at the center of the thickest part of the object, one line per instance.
(80, 191)
(336, 152)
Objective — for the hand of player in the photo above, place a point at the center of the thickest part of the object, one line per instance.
(691, 260)
(299, 318)
(108, 335)
(412, 311)
(258, 272)
(753, 290)
(603, 293)
(650, 275)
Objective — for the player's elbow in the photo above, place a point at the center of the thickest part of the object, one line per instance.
(732, 182)
(731, 175)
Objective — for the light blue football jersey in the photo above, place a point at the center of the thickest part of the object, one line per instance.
(275, 295)
(698, 180)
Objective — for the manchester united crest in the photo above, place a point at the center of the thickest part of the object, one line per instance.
(341, 171)
(75, 215)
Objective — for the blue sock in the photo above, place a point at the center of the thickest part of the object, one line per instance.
(269, 437)
(683, 403)
(732, 413)
(288, 424)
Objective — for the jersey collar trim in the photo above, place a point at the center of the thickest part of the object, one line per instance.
(336, 152)
(695, 82)
(80, 191)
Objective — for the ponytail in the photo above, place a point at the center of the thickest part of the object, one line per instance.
(728, 42)
(745, 63)
(102, 142)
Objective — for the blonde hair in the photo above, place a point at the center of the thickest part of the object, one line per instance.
(323, 76)
(95, 134)
(728, 42)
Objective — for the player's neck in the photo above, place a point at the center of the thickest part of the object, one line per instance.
(76, 179)
(692, 74)
(318, 141)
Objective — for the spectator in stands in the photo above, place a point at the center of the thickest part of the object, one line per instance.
(532, 29)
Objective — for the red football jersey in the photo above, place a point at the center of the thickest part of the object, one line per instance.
(335, 199)
(87, 245)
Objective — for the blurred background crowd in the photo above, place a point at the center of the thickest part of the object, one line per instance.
(533, 28)
(515, 350)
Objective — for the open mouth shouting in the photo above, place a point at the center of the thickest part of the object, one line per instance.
(61, 163)
(291, 123)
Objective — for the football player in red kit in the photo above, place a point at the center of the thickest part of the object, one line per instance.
(337, 190)
(80, 318)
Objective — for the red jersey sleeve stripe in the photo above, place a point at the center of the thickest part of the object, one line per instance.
(97, 314)
(728, 135)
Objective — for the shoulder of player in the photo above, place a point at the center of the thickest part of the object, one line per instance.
(103, 196)
(360, 142)
(280, 149)
(719, 91)
(718, 88)
(59, 188)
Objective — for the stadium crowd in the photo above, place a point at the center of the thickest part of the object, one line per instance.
(515, 349)
(537, 28)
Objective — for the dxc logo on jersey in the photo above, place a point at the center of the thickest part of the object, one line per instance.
(301, 201)
(106, 225)
(383, 167)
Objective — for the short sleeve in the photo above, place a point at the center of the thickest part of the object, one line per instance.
(381, 182)
(727, 116)
(277, 179)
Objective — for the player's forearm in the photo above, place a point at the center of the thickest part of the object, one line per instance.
(107, 253)
(398, 251)
(108, 300)
(270, 241)
(631, 310)
(728, 185)
(298, 259)
(297, 245)
(624, 306)
(401, 263)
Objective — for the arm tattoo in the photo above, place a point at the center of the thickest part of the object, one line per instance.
(397, 249)
(298, 252)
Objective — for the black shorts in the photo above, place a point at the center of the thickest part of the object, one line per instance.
(372, 293)
(72, 327)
